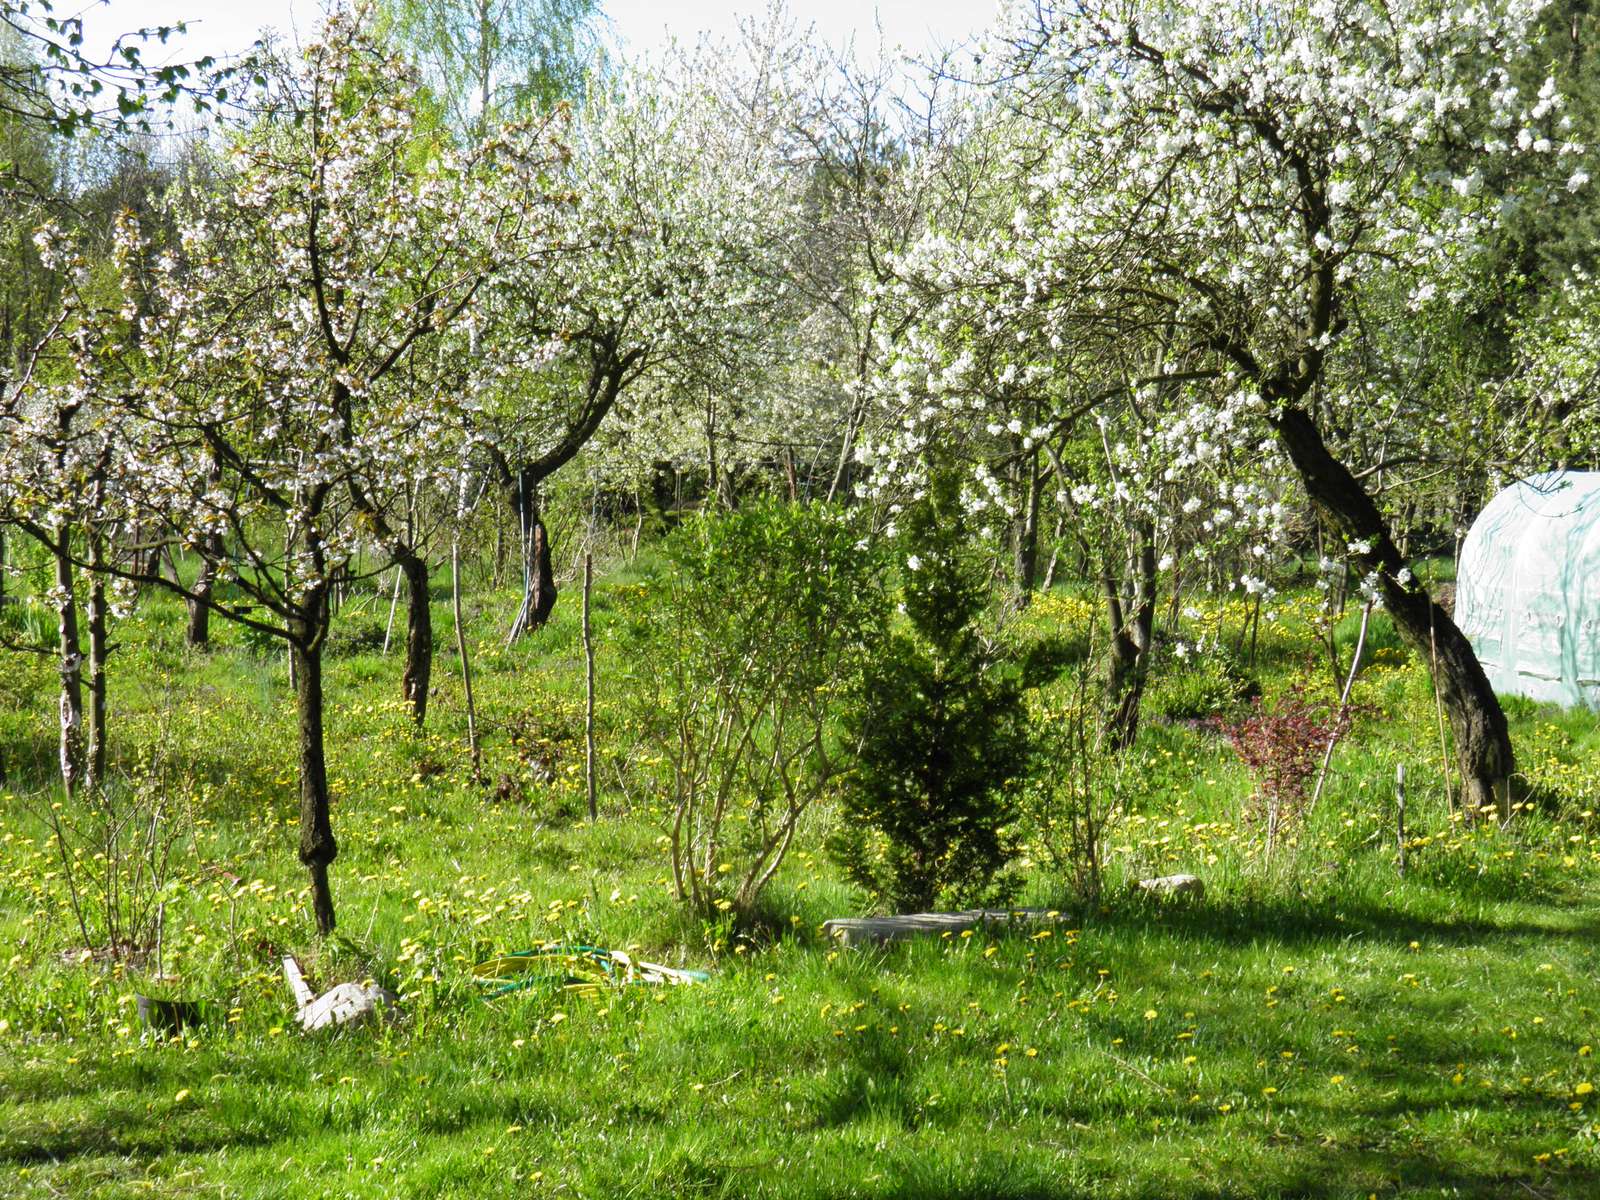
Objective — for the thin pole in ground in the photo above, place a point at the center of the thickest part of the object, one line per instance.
(1400, 814)
(588, 709)
(461, 652)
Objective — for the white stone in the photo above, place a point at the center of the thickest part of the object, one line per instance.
(1174, 885)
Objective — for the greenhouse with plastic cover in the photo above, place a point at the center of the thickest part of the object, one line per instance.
(1528, 589)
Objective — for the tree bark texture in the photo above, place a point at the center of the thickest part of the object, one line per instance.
(419, 635)
(538, 577)
(1025, 532)
(1483, 740)
(1132, 619)
(198, 634)
(317, 846)
(70, 656)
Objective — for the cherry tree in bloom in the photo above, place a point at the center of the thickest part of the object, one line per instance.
(1240, 175)
(285, 347)
(58, 452)
(669, 264)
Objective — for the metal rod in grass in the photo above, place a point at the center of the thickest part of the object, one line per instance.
(1339, 722)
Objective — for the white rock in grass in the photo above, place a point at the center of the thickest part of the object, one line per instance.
(1174, 885)
(346, 1004)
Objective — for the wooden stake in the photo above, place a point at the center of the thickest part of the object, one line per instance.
(588, 714)
(394, 602)
(1400, 814)
(461, 651)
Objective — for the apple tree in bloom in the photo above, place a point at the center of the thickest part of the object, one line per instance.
(666, 264)
(1241, 176)
(1117, 436)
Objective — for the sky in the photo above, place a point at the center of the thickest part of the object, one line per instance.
(641, 26)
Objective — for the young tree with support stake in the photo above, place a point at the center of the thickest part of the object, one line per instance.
(270, 428)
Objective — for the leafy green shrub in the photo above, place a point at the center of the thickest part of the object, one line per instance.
(359, 636)
(941, 728)
(1383, 642)
(1078, 789)
(758, 618)
(1208, 683)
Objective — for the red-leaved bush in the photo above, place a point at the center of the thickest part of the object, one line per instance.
(1281, 746)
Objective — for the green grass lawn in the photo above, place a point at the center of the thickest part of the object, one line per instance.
(1320, 1027)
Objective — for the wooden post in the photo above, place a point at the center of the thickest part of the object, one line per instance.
(588, 713)
(394, 602)
(1400, 814)
(461, 651)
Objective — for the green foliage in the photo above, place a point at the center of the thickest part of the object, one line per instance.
(1077, 789)
(760, 615)
(498, 59)
(941, 730)
(1383, 643)
(1208, 683)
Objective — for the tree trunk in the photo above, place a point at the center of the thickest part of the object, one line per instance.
(199, 629)
(71, 667)
(1025, 533)
(789, 475)
(317, 847)
(419, 635)
(713, 477)
(538, 578)
(1483, 740)
(95, 764)
(1132, 634)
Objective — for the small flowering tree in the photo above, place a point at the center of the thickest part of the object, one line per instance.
(282, 359)
(669, 268)
(57, 449)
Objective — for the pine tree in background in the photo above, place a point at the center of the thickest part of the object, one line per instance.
(941, 727)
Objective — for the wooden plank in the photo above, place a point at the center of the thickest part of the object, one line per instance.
(876, 931)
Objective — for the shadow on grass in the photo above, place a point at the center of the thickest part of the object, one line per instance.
(1296, 923)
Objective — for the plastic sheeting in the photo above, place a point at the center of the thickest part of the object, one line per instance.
(1528, 589)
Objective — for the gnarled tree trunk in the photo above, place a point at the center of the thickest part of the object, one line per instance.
(538, 576)
(317, 846)
(1133, 618)
(1483, 739)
